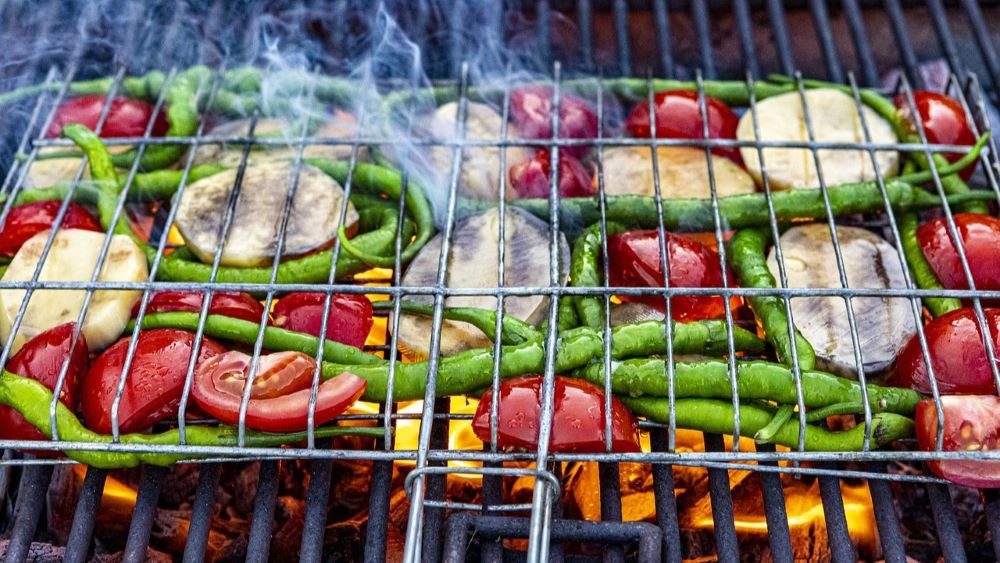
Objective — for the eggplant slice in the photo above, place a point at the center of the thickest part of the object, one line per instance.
(683, 172)
(884, 324)
(472, 263)
(253, 235)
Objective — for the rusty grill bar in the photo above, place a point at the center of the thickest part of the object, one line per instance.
(431, 537)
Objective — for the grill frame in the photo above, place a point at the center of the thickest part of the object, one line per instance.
(428, 454)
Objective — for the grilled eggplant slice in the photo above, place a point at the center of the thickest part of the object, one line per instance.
(683, 172)
(834, 118)
(253, 236)
(472, 263)
(72, 258)
(884, 324)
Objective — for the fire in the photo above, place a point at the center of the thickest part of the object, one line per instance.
(118, 499)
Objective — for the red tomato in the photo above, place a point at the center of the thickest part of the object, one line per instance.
(279, 399)
(971, 423)
(678, 116)
(41, 359)
(126, 117)
(944, 122)
(956, 348)
(577, 421)
(229, 303)
(29, 219)
(531, 110)
(349, 321)
(980, 236)
(531, 178)
(634, 260)
(154, 384)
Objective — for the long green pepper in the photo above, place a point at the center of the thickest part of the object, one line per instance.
(923, 275)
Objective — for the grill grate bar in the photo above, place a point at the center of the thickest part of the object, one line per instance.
(611, 506)
(263, 512)
(727, 545)
(665, 501)
(890, 533)
(85, 516)
(320, 473)
(898, 24)
(699, 12)
(584, 18)
(983, 40)
(663, 42)
(620, 8)
(838, 538)
(862, 46)
(778, 534)
(142, 515)
(28, 510)
(949, 535)
(201, 512)
(378, 511)
(992, 505)
(779, 32)
(822, 28)
(745, 29)
(945, 38)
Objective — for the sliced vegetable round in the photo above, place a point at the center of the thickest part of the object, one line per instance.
(532, 179)
(683, 172)
(634, 260)
(349, 321)
(126, 117)
(955, 345)
(228, 303)
(279, 398)
(29, 219)
(531, 110)
(678, 116)
(944, 122)
(980, 236)
(971, 423)
(577, 421)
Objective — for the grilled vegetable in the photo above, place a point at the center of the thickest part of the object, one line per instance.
(72, 258)
(833, 117)
(472, 263)
(253, 238)
(578, 417)
(971, 424)
(955, 345)
(349, 320)
(679, 116)
(683, 173)
(943, 120)
(154, 383)
(25, 221)
(980, 236)
(226, 303)
(883, 324)
(279, 398)
(921, 270)
(532, 178)
(531, 111)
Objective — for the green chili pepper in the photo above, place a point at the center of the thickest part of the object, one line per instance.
(766, 434)
(567, 317)
(709, 338)
(32, 400)
(709, 379)
(746, 254)
(716, 416)
(513, 331)
(585, 272)
(920, 268)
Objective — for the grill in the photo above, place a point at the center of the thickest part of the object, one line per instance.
(850, 42)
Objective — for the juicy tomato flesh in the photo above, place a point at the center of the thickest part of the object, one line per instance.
(154, 384)
(980, 235)
(532, 178)
(231, 304)
(126, 117)
(349, 321)
(634, 260)
(971, 423)
(29, 219)
(531, 110)
(279, 397)
(42, 358)
(678, 116)
(955, 345)
(577, 422)
(944, 122)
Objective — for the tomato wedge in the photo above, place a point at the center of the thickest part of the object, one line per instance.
(41, 359)
(29, 219)
(154, 384)
(980, 236)
(229, 303)
(349, 321)
(971, 423)
(634, 260)
(577, 422)
(944, 122)
(126, 117)
(279, 399)
(678, 116)
(531, 178)
(531, 111)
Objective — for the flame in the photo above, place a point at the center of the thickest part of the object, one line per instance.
(118, 499)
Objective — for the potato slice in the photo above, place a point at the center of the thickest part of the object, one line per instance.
(683, 172)
(472, 263)
(834, 117)
(73, 257)
(44, 173)
(253, 235)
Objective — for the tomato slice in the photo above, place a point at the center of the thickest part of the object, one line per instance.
(955, 345)
(634, 260)
(944, 122)
(678, 116)
(577, 422)
(41, 359)
(980, 236)
(126, 117)
(531, 111)
(971, 423)
(349, 321)
(154, 384)
(531, 178)
(279, 398)
(229, 303)
(29, 219)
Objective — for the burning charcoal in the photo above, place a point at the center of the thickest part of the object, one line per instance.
(343, 542)
(38, 552)
(63, 493)
(289, 521)
(178, 485)
(152, 556)
(243, 487)
(350, 488)
(233, 552)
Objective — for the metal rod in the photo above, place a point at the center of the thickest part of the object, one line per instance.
(723, 518)
(30, 503)
(263, 512)
(949, 535)
(779, 536)
(146, 500)
(85, 516)
(202, 510)
(889, 530)
(838, 537)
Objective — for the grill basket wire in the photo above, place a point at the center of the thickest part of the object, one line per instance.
(429, 456)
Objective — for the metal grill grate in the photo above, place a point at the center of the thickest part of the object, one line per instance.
(429, 536)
